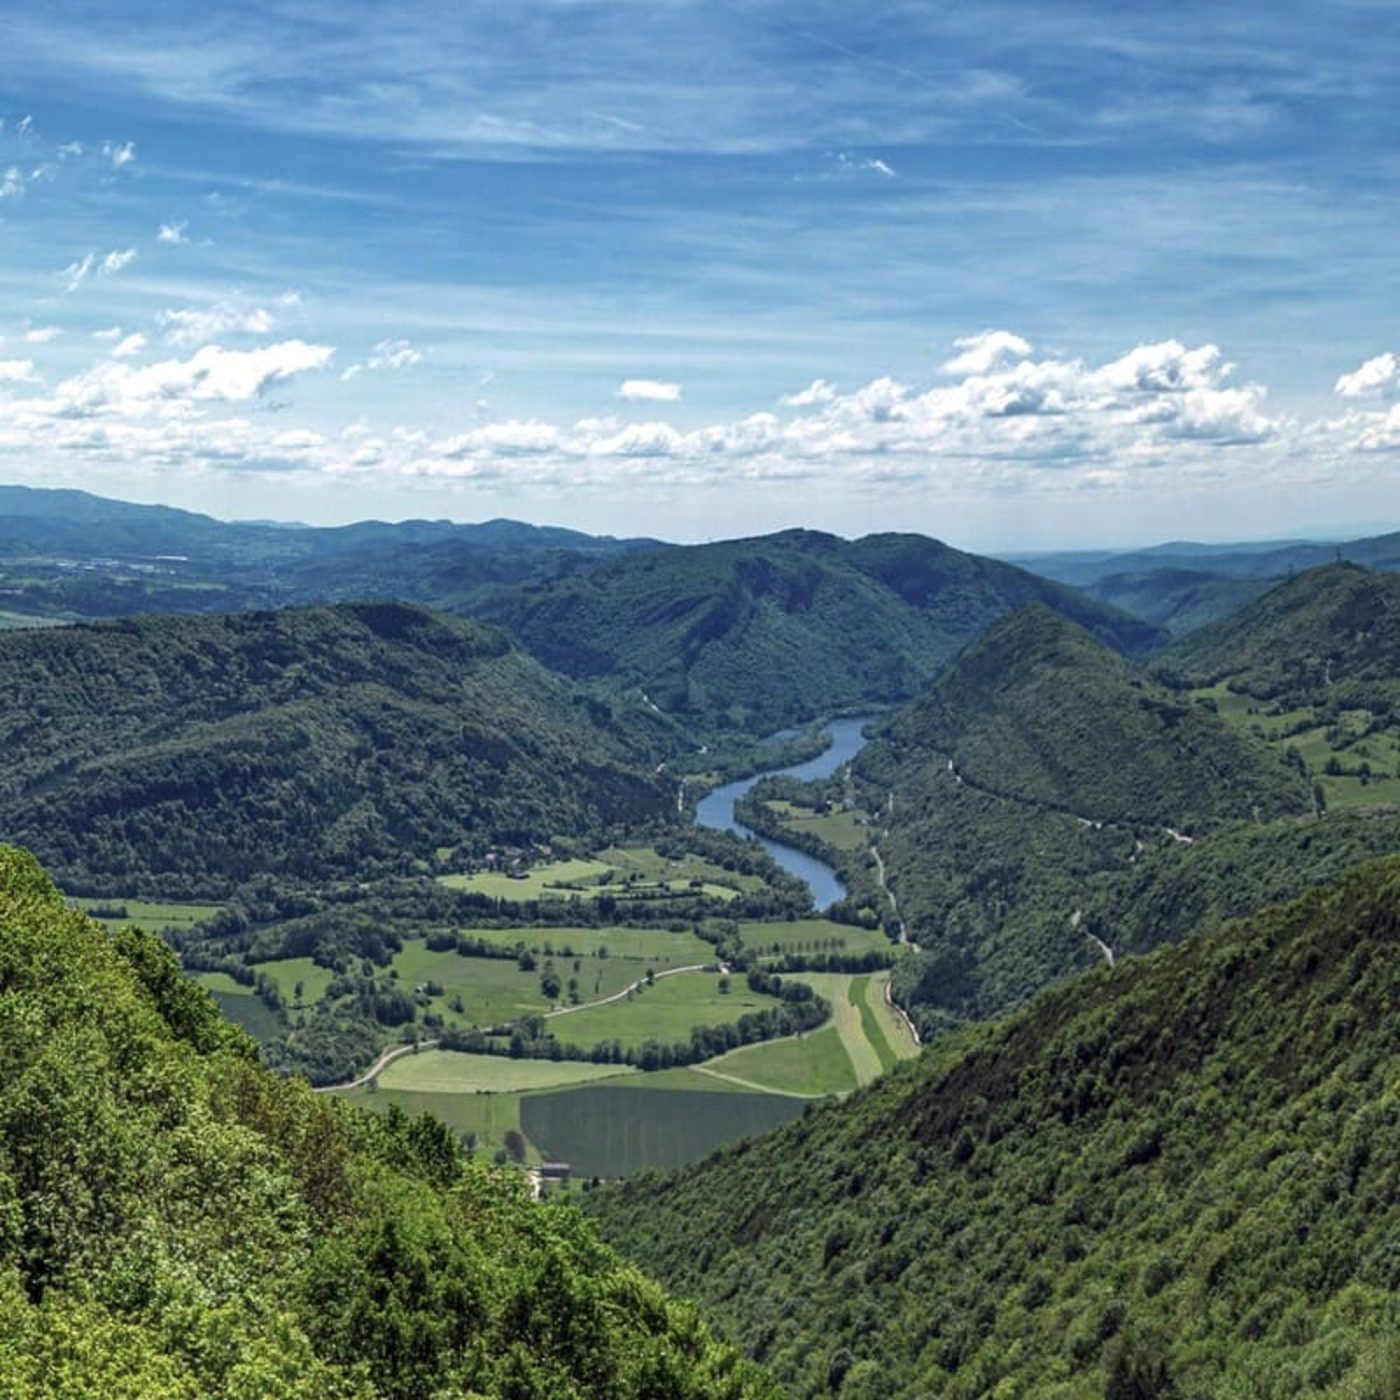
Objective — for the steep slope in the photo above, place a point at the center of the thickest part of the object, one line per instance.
(175, 1222)
(1039, 765)
(1038, 711)
(1333, 624)
(1173, 1178)
(192, 753)
(762, 632)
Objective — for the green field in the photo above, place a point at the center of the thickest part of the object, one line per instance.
(808, 1066)
(845, 830)
(144, 914)
(654, 946)
(814, 936)
(624, 872)
(450, 1072)
(609, 1130)
(1283, 729)
(665, 1012)
(287, 972)
(245, 1009)
(488, 1117)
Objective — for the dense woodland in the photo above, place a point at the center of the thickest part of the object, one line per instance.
(1175, 1178)
(177, 1222)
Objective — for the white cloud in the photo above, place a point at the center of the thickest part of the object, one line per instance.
(173, 233)
(11, 183)
(819, 391)
(17, 372)
(1376, 375)
(981, 352)
(71, 148)
(111, 333)
(130, 345)
(387, 354)
(75, 274)
(119, 153)
(42, 335)
(652, 390)
(190, 326)
(116, 260)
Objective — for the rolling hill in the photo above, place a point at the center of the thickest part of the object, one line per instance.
(175, 1222)
(758, 633)
(192, 753)
(1171, 1178)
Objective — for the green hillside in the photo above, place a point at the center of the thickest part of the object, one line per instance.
(1334, 624)
(189, 754)
(1174, 1178)
(757, 633)
(176, 1223)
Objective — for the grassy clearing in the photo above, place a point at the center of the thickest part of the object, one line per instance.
(647, 865)
(897, 1033)
(807, 1065)
(248, 1011)
(655, 946)
(665, 1012)
(218, 982)
(287, 972)
(811, 936)
(844, 830)
(689, 1079)
(145, 914)
(450, 1072)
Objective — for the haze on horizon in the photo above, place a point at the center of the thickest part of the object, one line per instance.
(1039, 275)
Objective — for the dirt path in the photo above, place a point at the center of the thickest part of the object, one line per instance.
(628, 990)
(751, 1084)
(387, 1057)
(889, 893)
(1076, 920)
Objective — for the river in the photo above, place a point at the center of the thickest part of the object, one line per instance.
(717, 809)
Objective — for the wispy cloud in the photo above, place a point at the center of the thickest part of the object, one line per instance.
(387, 354)
(120, 153)
(173, 232)
(189, 326)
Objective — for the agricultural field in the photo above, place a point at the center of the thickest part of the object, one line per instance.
(812, 936)
(450, 1072)
(288, 973)
(665, 1012)
(616, 1129)
(845, 830)
(144, 914)
(240, 1005)
(1354, 767)
(630, 872)
(807, 1066)
(654, 946)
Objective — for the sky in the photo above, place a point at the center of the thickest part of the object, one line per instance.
(1021, 275)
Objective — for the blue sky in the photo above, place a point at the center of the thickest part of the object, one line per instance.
(1018, 275)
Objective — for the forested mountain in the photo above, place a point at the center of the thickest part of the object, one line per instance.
(1336, 624)
(68, 554)
(1171, 1178)
(176, 1222)
(757, 633)
(1185, 586)
(188, 754)
(1038, 765)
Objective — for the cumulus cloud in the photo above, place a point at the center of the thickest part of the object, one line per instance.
(982, 352)
(172, 233)
(17, 372)
(649, 390)
(119, 153)
(190, 326)
(819, 391)
(1377, 375)
(11, 183)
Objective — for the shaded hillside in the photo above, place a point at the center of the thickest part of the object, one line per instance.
(1174, 1178)
(1039, 765)
(175, 1222)
(1334, 624)
(1180, 600)
(1040, 712)
(193, 753)
(760, 632)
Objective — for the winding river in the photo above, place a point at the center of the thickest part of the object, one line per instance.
(717, 809)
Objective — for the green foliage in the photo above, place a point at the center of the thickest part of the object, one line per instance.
(192, 754)
(756, 634)
(1175, 1177)
(176, 1223)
